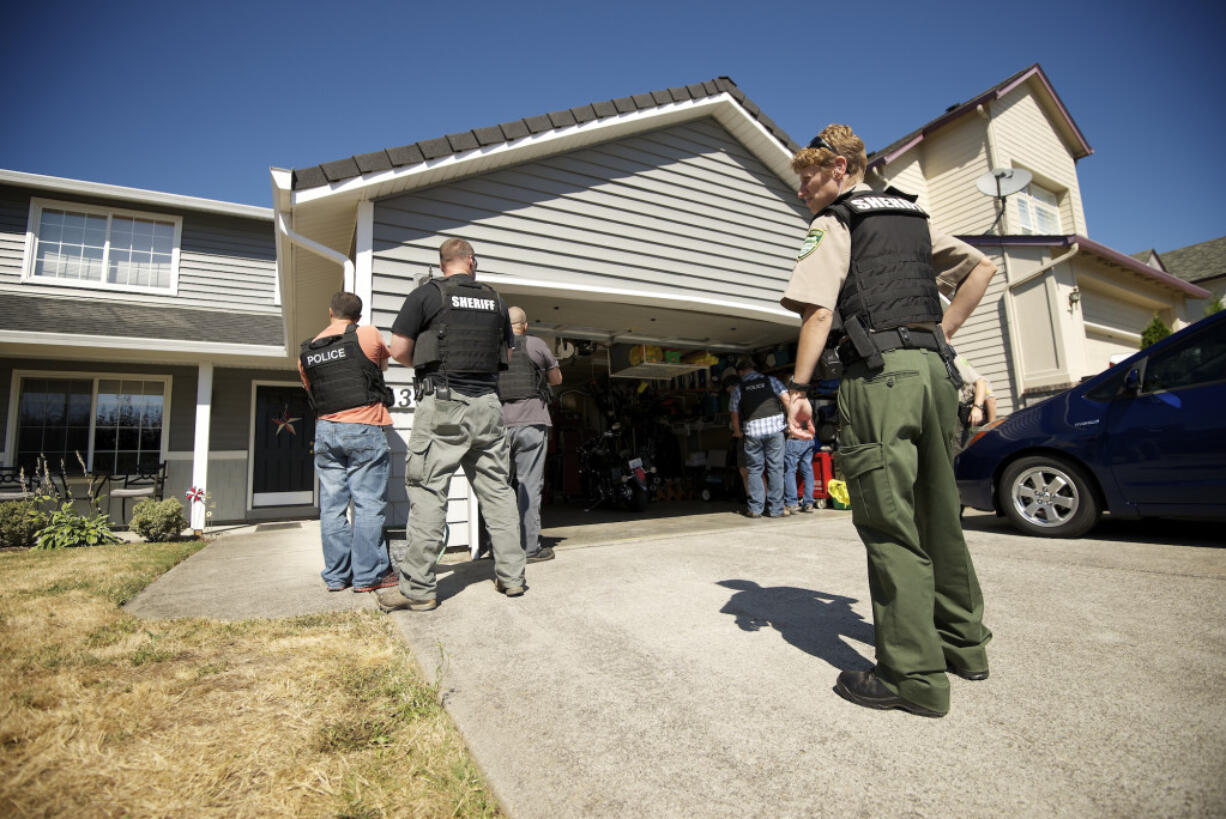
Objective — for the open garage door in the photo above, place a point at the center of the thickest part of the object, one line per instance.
(642, 386)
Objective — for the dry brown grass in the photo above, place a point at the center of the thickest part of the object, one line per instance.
(103, 714)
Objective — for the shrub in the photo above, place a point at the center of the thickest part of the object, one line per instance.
(69, 529)
(1154, 332)
(20, 522)
(158, 521)
(1214, 306)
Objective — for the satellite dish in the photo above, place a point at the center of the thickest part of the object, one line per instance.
(1001, 182)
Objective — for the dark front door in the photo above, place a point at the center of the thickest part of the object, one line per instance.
(283, 469)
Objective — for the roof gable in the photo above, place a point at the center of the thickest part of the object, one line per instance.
(1068, 129)
(463, 142)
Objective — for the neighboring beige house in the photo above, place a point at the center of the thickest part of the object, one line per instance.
(1202, 264)
(1062, 304)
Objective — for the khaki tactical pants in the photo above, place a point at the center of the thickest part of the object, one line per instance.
(895, 454)
(467, 433)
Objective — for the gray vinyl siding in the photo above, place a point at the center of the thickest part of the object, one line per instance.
(225, 262)
(14, 214)
(685, 211)
(230, 420)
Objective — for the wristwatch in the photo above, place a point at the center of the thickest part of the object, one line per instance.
(796, 387)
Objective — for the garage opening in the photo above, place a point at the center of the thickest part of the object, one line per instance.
(644, 389)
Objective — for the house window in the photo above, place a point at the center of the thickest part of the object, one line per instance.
(115, 424)
(86, 246)
(1038, 211)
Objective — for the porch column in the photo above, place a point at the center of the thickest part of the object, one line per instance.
(200, 454)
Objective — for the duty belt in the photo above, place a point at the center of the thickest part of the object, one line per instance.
(900, 338)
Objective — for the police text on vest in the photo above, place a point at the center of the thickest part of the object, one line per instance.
(314, 359)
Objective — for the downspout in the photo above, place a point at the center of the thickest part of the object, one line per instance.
(1015, 351)
(319, 250)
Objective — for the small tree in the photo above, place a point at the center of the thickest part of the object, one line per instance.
(1155, 332)
(1214, 305)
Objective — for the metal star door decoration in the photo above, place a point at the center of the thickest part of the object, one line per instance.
(283, 421)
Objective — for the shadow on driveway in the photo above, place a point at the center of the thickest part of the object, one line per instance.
(813, 621)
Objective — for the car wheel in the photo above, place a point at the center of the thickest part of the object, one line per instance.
(1048, 496)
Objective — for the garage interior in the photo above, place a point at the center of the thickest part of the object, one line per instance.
(646, 381)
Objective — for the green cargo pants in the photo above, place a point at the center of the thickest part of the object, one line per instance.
(465, 433)
(895, 452)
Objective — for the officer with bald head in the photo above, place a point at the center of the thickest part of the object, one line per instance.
(524, 390)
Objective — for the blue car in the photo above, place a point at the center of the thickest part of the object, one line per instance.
(1145, 438)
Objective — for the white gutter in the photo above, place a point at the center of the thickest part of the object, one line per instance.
(79, 187)
(318, 249)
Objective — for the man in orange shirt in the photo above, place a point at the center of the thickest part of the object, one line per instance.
(342, 370)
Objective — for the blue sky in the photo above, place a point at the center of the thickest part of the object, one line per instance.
(201, 98)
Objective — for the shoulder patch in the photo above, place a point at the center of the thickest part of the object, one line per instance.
(812, 240)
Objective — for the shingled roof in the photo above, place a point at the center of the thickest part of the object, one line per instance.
(1194, 263)
(898, 147)
(105, 318)
(464, 141)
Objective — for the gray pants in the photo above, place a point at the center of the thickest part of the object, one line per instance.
(528, 446)
(467, 433)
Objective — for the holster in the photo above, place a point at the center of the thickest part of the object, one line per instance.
(863, 347)
(948, 354)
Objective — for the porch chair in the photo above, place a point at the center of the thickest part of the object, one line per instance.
(145, 483)
(10, 484)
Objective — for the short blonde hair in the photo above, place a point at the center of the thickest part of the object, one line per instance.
(845, 143)
(453, 249)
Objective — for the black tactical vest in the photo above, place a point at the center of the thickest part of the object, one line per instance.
(522, 379)
(891, 282)
(758, 400)
(466, 336)
(341, 375)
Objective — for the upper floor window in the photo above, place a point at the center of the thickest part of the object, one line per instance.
(1038, 211)
(90, 246)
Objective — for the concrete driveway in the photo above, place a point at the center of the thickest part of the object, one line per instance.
(686, 670)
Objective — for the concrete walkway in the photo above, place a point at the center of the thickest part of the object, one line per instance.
(685, 669)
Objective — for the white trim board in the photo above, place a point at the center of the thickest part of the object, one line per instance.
(137, 343)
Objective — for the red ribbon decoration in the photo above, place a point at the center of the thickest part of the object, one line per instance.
(195, 495)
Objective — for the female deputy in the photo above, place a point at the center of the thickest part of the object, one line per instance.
(873, 259)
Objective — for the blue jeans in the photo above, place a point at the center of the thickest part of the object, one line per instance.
(765, 453)
(798, 453)
(352, 462)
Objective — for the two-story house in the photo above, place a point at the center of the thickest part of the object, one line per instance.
(1062, 304)
(139, 328)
